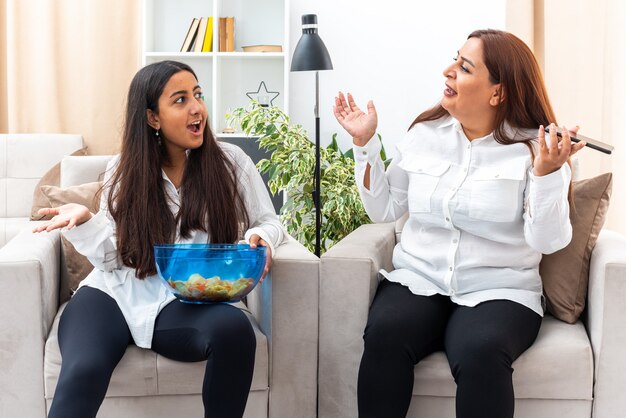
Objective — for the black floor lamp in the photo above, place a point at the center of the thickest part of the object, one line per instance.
(311, 55)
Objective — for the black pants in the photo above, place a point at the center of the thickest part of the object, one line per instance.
(93, 337)
(481, 343)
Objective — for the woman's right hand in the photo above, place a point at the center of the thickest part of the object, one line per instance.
(69, 215)
(360, 125)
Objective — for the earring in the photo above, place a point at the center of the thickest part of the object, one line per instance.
(156, 132)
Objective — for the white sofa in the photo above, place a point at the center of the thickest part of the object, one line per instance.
(24, 159)
(572, 370)
(283, 312)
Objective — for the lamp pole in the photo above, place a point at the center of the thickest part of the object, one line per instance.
(318, 170)
(311, 55)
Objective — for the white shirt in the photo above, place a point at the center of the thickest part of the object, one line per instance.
(479, 219)
(141, 300)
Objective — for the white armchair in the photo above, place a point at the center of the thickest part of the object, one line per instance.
(574, 370)
(283, 312)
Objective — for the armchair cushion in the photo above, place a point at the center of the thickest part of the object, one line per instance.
(565, 273)
(565, 348)
(144, 373)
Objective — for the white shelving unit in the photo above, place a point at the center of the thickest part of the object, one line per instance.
(225, 77)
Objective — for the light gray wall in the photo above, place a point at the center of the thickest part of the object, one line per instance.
(391, 51)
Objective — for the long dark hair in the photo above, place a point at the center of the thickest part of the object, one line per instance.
(512, 64)
(138, 202)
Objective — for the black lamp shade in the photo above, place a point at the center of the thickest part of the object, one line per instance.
(310, 53)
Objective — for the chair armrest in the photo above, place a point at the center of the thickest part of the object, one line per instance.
(286, 307)
(606, 312)
(348, 282)
(29, 279)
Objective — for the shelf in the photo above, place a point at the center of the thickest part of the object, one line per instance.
(216, 54)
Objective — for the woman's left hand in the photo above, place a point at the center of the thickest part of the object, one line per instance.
(551, 157)
(255, 241)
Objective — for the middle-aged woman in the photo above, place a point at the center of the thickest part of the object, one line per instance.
(487, 194)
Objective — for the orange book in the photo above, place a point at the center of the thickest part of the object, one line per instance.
(230, 34)
(222, 34)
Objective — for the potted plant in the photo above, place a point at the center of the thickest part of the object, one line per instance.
(290, 169)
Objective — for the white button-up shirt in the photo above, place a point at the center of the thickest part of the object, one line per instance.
(141, 300)
(479, 219)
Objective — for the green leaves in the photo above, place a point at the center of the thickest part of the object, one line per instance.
(291, 170)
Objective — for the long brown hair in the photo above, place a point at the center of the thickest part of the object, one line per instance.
(138, 201)
(512, 64)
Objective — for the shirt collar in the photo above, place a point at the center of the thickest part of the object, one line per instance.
(446, 121)
(450, 121)
(509, 130)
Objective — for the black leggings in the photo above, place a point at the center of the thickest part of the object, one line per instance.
(93, 337)
(481, 343)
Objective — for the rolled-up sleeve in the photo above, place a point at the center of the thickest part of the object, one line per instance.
(547, 226)
(95, 239)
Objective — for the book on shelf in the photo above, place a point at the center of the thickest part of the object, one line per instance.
(207, 46)
(227, 34)
(230, 34)
(191, 35)
(222, 34)
(202, 27)
(262, 48)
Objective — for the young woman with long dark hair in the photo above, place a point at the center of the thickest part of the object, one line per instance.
(172, 182)
(486, 196)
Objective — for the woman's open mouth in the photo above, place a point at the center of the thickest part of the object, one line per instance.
(195, 127)
(448, 92)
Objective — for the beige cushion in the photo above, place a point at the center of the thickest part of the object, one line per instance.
(565, 273)
(559, 365)
(84, 194)
(78, 266)
(51, 178)
(142, 372)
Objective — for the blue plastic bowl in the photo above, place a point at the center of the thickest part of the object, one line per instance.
(208, 273)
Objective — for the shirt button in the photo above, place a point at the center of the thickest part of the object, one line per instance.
(454, 189)
(447, 219)
(364, 152)
(469, 146)
(465, 170)
(454, 241)
(451, 268)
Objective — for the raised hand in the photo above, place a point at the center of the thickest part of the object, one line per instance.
(360, 125)
(69, 215)
(551, 157)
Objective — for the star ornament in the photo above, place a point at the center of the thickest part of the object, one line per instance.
(263, 96)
